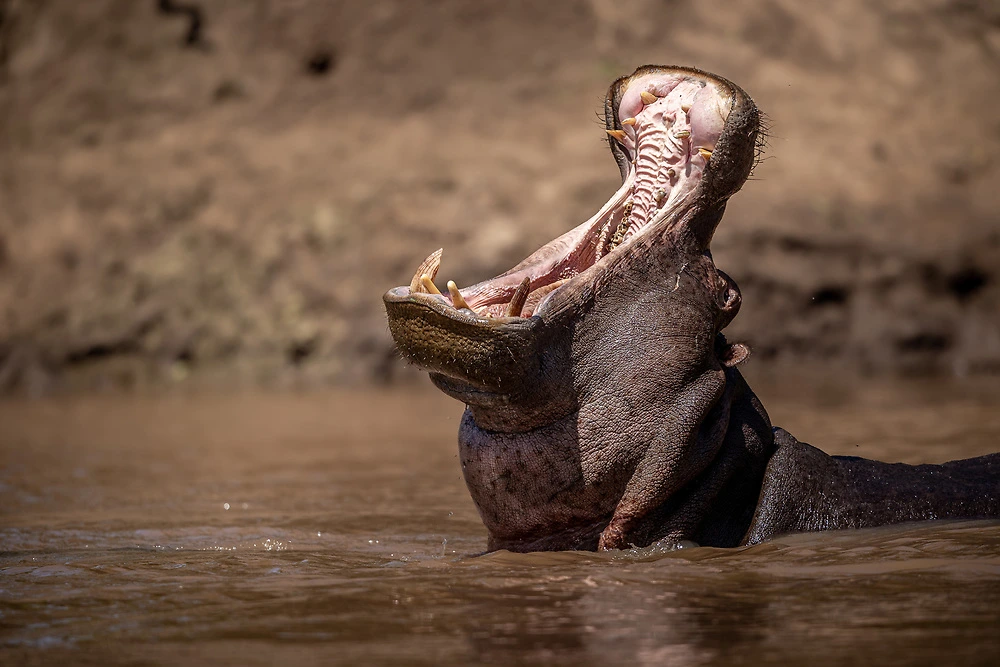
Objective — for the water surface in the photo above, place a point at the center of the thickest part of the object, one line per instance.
(336, 528)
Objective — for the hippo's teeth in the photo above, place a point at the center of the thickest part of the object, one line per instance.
(659, 196)
(705, 153)
(428, 267)
(457, 300)
(647, 97)
(683, 134)
(617, 134)
(686, 107)
(629, 121)
(428, 285)
(516, 304)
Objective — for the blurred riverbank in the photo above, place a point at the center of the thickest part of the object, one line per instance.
(228, 212)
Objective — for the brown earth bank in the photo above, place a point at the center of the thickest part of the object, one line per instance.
(228, 198)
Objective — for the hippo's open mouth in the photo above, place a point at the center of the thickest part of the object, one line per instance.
(663, 126)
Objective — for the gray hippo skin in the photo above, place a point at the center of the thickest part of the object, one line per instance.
(604, 405)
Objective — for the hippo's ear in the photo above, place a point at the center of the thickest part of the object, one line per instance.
(733, 355)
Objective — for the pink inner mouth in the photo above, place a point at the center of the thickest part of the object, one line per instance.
(670, 123)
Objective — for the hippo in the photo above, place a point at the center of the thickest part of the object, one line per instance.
(604, 405)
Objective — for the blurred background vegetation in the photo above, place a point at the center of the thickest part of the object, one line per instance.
(219, 192)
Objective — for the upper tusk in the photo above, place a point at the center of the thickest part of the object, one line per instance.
(517, 301)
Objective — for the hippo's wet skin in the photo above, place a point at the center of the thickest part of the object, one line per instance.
(604, 406)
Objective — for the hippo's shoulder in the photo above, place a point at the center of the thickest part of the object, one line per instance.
(796, 482)
(805, 489)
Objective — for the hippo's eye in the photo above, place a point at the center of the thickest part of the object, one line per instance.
(728, 298)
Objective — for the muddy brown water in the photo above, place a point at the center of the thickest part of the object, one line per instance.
(335, 528)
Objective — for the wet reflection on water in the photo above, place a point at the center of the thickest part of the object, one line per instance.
(336, 527)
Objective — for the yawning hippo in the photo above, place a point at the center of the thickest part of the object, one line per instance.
(604, 406)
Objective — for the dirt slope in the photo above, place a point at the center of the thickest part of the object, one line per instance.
(233, 209)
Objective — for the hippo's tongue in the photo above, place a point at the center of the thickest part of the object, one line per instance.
(668, 125)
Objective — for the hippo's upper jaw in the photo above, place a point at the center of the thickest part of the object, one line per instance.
(595, 386)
